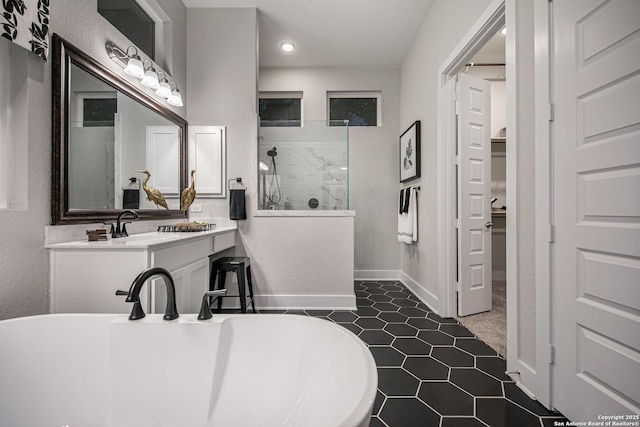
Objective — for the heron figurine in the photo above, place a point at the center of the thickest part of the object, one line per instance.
(153, 194)
(188, 194)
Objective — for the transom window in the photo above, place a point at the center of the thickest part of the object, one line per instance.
(132, 21)
(356, 108)
(280, 109)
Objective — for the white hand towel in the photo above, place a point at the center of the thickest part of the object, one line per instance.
(408, 221)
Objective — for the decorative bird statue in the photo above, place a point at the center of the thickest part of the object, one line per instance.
(188, 194)
(153, 194)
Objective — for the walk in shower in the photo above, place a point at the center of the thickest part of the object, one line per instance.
(304, 168)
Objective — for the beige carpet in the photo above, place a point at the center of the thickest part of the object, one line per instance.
(491, 326)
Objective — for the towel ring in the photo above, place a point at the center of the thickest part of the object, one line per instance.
(238, 180)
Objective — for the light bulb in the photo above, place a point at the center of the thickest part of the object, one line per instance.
(164, 90)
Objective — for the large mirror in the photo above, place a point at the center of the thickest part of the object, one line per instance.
(105, 131)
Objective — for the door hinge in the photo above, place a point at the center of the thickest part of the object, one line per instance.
(457, 160)
(552, 233)
(458, 287)
(551, 111)
(458, 224)
(552, 354)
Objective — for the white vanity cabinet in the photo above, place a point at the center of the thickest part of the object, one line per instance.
(86, 275)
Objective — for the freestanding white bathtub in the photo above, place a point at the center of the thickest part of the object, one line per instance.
(97, 370)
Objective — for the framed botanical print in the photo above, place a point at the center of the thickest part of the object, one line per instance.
(410, 152)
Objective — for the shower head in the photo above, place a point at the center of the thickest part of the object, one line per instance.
(272, 152)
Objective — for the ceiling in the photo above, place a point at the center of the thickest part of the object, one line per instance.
(333, 33)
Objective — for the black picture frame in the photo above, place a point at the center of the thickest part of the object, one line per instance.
(410, 153)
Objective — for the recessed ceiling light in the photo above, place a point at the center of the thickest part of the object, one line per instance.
(287, 46)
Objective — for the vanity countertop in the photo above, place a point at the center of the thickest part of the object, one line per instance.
(150, 240)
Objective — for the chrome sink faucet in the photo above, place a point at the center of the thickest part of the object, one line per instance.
(171, 311)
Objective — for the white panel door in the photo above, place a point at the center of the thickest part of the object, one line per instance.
(207, 157)
(474, 195)
(163, 159)
(596, 209)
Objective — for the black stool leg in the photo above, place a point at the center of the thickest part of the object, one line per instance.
(221, 285)
(241, 288)
(253, 303)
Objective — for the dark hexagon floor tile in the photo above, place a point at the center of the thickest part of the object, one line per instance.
(353, 328)
(397, 382)
(423, 323)
(386, 306)
(367, 311)
(399, 294)
(442, 319)
(375, 422)
(495, 366)
(412, 346)
(364, 302)
(459, 422)
(401, 330)
(403, 412)
(452, 356)
(435, 338)
(387, 356)
(376, 337)
(343, 316)
(446, 398)
(376, 291)
(380, 298)
(513, 393)
(371, 284)
(404, 302)
(456, 330)
(370, 323)
(475, 347)
(413, 312)
(362, 294)
(475, 382)
(319, 313)
(426, 368)
(498, 412)
(392, 317)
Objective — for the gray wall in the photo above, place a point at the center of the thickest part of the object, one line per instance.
(24, 264)
(445, 26)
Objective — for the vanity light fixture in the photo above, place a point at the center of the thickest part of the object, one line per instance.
(150, 78)
(164, 90)
(134, 66)
(175, 98)
(287, 46)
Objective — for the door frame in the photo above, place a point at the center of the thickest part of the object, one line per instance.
(534, 380)
(491, 21)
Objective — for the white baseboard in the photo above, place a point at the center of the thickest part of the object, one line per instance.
(423, 295)
(299, 302)
(376, 274)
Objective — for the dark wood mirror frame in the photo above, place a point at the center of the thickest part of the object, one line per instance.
(63, 53)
